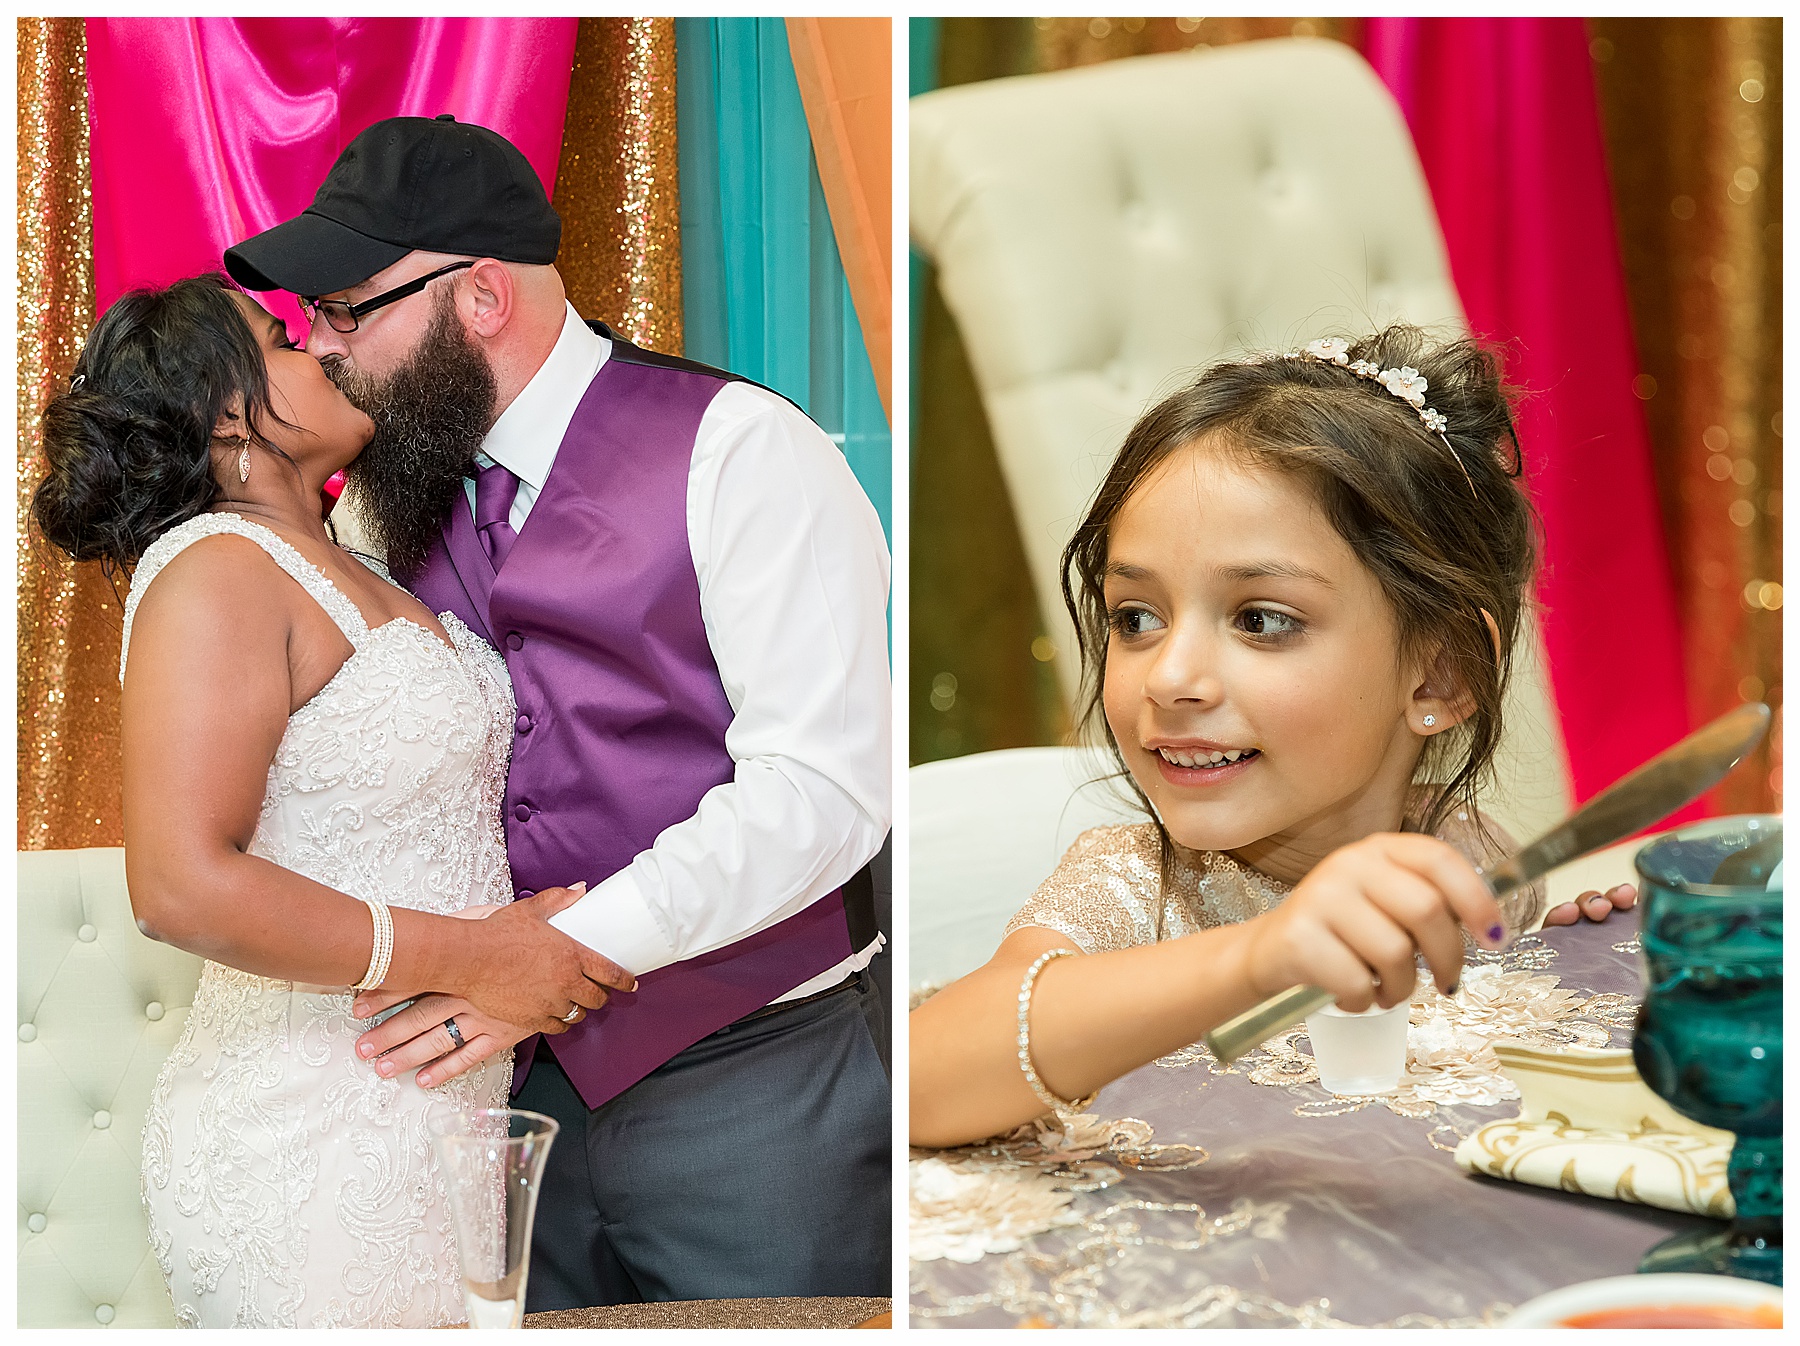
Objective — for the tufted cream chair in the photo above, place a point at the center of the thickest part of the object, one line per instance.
(100, 1007)
(1102, 233)
(964, 886)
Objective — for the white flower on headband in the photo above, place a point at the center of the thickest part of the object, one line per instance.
(1405, 383)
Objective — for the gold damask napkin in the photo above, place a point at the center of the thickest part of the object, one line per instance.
(1589, 1124)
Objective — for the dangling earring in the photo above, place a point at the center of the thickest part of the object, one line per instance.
(244, 461)
(1430, 720)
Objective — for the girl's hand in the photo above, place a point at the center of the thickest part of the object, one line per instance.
(1353, 925)
(1595, 906)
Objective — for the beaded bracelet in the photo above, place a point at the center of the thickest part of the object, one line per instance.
(381, 953)
(1061, 1107)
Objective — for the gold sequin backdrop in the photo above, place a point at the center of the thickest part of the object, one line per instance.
(1692, 114)
(1693, 125)
(621, 262)
(68, 615)
(617, 182)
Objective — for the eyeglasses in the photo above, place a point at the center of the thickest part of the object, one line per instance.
(342, 316)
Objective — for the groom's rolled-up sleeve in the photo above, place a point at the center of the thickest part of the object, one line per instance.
(793, 572)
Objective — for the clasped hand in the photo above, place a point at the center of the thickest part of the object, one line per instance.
(1355, 923)
(530, 974)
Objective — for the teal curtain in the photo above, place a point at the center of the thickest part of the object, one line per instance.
(763, 289)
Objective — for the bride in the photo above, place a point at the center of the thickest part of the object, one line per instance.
(313, 770)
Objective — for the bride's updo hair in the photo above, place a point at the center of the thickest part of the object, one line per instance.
(1438, 518)
(129, 445)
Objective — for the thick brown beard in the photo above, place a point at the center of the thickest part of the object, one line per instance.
(430, 415)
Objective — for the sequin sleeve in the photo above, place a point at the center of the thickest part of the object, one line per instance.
(1486, 843)
(1105, 893)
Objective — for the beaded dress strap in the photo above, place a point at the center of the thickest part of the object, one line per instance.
(303, 572)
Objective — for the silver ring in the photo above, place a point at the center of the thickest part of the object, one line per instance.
(455, 1032)
(572, 1015)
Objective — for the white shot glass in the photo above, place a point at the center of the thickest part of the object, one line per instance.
(1359, 1053)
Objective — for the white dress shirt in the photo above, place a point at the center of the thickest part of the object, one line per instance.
(793, 573)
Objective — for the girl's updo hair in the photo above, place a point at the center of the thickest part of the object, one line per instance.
(1438, 520)
(129, 445)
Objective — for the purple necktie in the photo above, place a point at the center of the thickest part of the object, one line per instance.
(495, 489)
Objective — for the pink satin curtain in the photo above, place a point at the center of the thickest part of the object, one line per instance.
(205, 131)
(1528, 221)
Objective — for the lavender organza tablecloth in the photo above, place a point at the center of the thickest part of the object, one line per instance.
(1308, 1214)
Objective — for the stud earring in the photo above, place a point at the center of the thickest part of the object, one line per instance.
(1430, 720)
(244, 461)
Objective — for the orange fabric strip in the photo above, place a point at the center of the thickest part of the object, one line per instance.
(845, 71)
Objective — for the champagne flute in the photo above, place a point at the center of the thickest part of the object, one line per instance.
(492, 1160)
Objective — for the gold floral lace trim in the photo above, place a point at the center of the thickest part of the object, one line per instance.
(1450, 1044)
(995, 1197)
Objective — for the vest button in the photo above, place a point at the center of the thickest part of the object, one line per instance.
(523, 813)
(523, 724)
(514, 641)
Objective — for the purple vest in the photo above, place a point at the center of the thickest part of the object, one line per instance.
(622, 717)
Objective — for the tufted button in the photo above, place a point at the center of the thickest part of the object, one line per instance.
(514, 641)
(523, 813)
(153, 1011)
(27, 1032)
(523, 724)
(87, 934)
(104, 1314)
(102, 1120)
(35, 1222)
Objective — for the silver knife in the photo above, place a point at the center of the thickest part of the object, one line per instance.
(1648, 795)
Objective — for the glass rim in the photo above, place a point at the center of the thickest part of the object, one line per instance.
(1702, 831)
(444, 1110)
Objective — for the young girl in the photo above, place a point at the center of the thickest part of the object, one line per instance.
(1296, 594)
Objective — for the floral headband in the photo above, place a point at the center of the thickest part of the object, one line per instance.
(1405, 383)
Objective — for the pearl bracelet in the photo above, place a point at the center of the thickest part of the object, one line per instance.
(381, 953)
(1061, 1107)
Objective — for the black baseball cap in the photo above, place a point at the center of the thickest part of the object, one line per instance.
(406, 183)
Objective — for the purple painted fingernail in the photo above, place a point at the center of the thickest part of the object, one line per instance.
(1496, 933)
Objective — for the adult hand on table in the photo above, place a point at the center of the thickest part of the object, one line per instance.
(522, 971)
(1596, 906)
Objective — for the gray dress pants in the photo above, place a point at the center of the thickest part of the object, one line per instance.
(755, 1164)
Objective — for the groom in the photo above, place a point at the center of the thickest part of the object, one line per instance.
(689, 590)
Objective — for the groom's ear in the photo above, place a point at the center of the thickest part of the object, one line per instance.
(487, 298)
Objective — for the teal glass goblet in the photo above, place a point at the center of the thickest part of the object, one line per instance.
(1708, 1036)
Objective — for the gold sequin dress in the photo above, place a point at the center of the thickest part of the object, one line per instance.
(1108, 892)
(286, 1183)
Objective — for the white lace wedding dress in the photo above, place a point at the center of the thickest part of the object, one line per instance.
(287, 1184)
